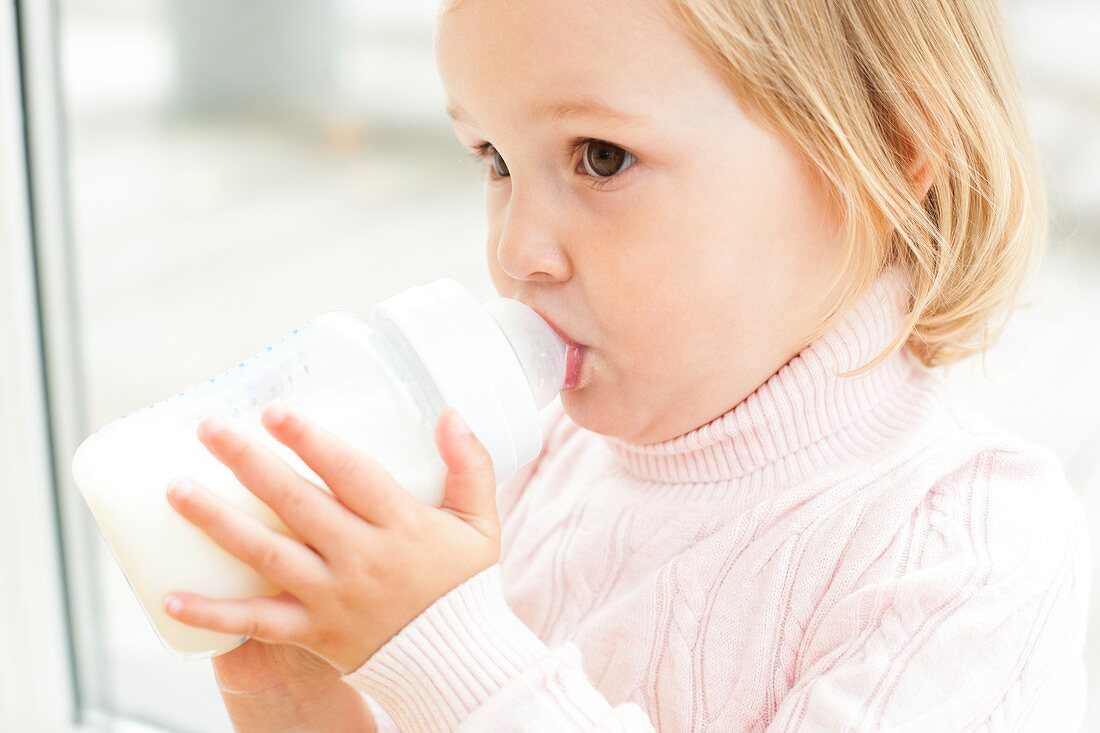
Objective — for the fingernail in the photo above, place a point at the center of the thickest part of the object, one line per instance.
(278, 412)
(461, 428)
(172, 604)
(179, 487)
(210, 427)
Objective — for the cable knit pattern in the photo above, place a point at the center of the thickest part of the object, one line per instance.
(830, 554)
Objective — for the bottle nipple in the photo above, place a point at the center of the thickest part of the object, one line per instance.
(541, 352)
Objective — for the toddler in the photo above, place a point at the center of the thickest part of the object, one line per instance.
(762, 226)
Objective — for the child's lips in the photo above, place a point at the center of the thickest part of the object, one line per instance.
(574, 362)
(574, 359)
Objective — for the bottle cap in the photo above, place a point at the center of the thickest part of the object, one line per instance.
(498, 364)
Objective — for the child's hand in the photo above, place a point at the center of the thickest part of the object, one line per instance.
(373, 556)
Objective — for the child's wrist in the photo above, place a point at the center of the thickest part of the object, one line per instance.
(323, 704)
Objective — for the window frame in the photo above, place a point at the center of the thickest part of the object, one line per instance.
(37, 689)
(49, 648)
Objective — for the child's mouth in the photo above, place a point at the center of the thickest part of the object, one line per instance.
(574, 359)
(574, 362)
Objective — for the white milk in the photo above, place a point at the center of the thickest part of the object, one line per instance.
(378, 383)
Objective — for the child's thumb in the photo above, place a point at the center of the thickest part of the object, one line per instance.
(470, 489)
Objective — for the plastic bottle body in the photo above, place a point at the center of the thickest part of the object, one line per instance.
(352, 376)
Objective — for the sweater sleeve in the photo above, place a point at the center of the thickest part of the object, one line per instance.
(983, 630)
(469, 663)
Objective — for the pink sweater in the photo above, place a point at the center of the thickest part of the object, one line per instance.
(828, 555)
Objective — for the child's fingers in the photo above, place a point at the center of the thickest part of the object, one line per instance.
(305, 507)
(356, 479)
(276, 619)
(470, 486)
(275, 556)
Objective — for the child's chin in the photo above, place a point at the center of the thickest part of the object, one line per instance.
(586, 409)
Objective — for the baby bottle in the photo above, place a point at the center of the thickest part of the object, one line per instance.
(378, 382)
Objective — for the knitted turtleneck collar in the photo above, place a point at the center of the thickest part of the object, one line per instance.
(803, 418)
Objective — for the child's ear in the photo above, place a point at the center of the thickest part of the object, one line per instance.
(917, 169)
(920, 173)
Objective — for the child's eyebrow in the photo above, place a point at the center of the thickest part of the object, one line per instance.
(581, 107)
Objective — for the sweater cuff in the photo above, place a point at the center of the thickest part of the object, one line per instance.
(451, 658)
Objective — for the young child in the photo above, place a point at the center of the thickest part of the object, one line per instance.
(763, 225)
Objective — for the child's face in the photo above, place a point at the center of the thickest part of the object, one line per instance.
(691, 268)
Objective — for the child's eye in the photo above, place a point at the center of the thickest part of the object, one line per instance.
(498, 168)
(603, 159)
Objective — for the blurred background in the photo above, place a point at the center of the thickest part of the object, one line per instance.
(226, 169)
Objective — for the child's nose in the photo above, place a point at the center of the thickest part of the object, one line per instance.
(529, 246)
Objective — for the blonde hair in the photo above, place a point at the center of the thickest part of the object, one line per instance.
(858, 87)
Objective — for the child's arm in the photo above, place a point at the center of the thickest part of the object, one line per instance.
(468, 663)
